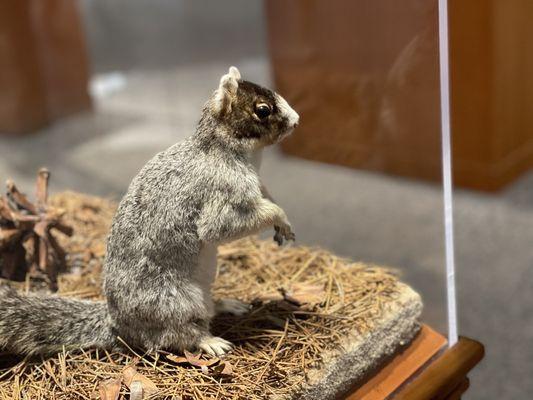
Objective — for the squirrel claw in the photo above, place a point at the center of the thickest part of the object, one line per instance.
(283, 233)
(215, 346)
(278, 238)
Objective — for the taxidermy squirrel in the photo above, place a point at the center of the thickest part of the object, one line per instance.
(161, 250)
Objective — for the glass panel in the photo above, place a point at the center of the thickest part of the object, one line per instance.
(360, 176)
(365, 78)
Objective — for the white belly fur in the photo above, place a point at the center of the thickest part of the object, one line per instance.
(207, 261)
(206, 271)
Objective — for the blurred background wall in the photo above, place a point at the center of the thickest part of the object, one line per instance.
(132, 34)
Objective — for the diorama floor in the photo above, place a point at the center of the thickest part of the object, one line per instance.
(363, 215)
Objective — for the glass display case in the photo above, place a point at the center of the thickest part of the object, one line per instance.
(363, 303)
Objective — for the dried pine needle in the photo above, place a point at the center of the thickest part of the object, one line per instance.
(276, 343)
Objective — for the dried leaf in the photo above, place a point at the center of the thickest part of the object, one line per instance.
(110, 389)
(224, 368)
(177, 359)
(131, 374)
(194, 359)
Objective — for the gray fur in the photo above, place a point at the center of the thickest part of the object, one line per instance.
(35, 324)
(161, 250)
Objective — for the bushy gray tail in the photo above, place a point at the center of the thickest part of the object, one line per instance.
(37, 324)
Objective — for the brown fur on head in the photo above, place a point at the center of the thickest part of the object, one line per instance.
(251, 114)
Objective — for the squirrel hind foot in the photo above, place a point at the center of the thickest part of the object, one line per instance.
(215, 346)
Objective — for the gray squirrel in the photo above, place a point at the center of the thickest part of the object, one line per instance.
(162, 246)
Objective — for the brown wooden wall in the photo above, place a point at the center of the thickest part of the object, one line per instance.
(364, 77)
(43, 63)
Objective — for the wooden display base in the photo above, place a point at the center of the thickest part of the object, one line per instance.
(424, 370)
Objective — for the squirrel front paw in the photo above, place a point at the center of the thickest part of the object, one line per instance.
(283, 232)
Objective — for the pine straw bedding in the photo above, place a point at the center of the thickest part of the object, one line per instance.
(308, 306)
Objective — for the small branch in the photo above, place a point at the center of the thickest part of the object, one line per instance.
(22, 220)
(60, 254)
(20, 199)
(17, 217)
(43, 254)
(64, 229)
(8, 236)
(41, 228)
(5, 211)
(42, 188)
(13, 265)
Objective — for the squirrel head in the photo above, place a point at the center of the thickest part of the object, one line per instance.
(251, 115)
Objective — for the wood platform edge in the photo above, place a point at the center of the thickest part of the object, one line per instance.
(401, 367)
(444, 375)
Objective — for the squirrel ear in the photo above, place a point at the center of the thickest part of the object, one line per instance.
(233, 71)
(227, 89)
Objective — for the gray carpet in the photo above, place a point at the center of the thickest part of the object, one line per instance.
(365, 216)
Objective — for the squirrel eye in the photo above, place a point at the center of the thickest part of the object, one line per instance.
(262, 110)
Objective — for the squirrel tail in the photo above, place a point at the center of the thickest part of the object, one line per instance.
(37, 324)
